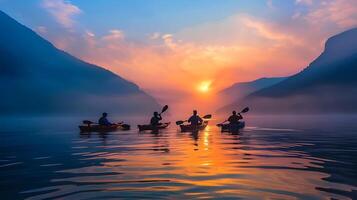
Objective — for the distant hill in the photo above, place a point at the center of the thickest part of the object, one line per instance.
(328, 84)
(37, 78)
(241, 89)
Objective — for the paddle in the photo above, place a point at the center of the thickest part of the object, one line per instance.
(245, 110)
(125, 126)
(87, 122)
(204, 117)
(207, 116)
(164, 109)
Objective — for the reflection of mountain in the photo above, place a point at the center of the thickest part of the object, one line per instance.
(240, 90)
(35, 77)
(328, 84)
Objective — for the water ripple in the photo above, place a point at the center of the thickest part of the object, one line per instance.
(258, 162)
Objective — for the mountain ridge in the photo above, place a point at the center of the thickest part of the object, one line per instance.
(241, 89)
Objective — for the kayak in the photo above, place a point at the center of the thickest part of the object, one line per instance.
(193, 128)
(232, 127)
(149, 127)
(102, 128)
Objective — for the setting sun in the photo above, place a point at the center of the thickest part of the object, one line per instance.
(204, 86)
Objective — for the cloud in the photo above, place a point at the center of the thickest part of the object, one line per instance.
(169, 41)
(63, 11)
(114, 35)
(90, 34)
(306, 2)
(155, 36)
(240, 47)
(342, 13)
(267, 30)
(41, 30)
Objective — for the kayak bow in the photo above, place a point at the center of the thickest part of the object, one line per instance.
(231, 127)
(193, 128)
(149, 127)
(102, 128)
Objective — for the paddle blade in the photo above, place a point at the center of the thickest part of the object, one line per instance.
(164, 108)
(207, 117)
(180, 122)
(87, 122)
(126, 126)
(245, 110)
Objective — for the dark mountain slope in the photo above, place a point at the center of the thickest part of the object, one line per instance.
(240, 90)
(328, 84)
(36, 77)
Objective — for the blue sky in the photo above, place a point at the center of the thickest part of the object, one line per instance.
(140, 17)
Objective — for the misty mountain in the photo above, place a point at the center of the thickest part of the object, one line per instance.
(36, 77)
(241, 89)
(328, 84)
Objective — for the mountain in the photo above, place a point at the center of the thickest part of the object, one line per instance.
(328, 84)
(37, 78)
(241, 89)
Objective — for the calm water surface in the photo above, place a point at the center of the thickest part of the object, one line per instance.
(266, 160)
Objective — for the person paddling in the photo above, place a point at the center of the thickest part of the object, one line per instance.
(155, 120)
(103, 120)
(234, 118)
(195, 119)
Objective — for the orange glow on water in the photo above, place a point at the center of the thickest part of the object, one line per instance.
(208, 164)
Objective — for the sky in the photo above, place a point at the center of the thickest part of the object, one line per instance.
(173, 48)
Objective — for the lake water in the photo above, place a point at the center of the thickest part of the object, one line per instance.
(272, 158)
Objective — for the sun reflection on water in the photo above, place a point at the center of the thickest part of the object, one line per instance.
(206, 135)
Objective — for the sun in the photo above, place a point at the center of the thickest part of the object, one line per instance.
(204, 86)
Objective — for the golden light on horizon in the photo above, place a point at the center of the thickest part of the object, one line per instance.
(204, 86)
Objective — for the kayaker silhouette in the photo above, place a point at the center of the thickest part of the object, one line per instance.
(234, 118)
(195, 119)
(155, 120)
(103, 120)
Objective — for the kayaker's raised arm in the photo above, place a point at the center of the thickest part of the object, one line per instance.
(155, 120)
(200, 119)
(234, 118)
